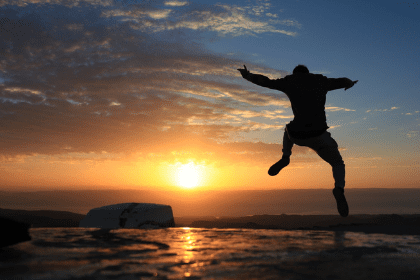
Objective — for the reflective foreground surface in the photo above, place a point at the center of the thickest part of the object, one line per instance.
(197, 253)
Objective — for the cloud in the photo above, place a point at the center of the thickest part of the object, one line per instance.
(271, 115)
(66, 3)
(176, 3)
(271, 15)
(17, 89)
(221, 18)
(334, 109)
(412, 134)
(334, 126)
(160, 14)
(260, 7)
(382, 110)
(78, 85)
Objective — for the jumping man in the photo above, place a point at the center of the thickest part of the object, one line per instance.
(307, 93)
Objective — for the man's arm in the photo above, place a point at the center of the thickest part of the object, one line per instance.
(258, 79)
(338, 83)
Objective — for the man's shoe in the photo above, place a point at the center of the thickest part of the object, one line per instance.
(275, 168)
(342, 206)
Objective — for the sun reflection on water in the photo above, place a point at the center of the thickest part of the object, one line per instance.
(177, 253)
(188, 249)
(189, 245)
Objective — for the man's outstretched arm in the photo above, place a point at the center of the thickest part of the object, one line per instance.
(338, 83)
(258, 79)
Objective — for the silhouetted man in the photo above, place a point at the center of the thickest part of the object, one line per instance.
(307, 93)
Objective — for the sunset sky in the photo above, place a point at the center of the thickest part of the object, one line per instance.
(145, 94)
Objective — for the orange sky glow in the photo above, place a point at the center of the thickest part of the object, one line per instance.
(149, 96)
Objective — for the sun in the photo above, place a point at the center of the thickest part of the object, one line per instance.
(188, 175)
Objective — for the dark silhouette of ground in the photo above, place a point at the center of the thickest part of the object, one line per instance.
(13, 232)
(382, 223)
(43, 218)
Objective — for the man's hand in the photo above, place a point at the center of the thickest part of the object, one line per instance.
(244, 72)
(351, 83)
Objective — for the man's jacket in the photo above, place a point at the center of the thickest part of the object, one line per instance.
(307, 93)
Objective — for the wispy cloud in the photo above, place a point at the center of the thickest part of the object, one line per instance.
(271, 15)
(176, 3)
(382, 110)
(334, 126)
(80, 86)
(23, 90)
(412, 134)
(66, 3)
(221, 18)
(334, 109)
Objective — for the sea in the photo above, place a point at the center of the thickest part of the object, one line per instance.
(201, 253)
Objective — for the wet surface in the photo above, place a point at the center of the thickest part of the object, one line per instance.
(198, 253)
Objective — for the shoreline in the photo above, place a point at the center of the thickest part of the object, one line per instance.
(367, 223)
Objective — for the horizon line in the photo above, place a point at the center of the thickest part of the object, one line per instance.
(201, 190)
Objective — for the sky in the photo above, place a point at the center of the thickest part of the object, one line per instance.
(98, 94)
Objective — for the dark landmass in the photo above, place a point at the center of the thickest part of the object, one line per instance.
(387, 224)
(232, 203)
(43, 218)
(13, 232)
(382, 223)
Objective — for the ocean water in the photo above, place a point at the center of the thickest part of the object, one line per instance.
(198, 253)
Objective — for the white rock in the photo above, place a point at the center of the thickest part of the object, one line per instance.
(129, 215)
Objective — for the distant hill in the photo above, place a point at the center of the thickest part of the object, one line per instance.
(383, 223)
(43, 218)
(232, 203)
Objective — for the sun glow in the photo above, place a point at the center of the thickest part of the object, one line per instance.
(188, 175)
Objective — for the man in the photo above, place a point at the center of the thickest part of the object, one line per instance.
(307, 93)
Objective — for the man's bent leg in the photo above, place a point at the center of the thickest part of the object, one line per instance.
(285, 160)
(287, 145)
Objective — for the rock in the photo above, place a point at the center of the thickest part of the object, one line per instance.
(129, 215)
(13, 232)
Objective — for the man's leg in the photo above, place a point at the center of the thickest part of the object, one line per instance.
(327, 148)
(285, 160)
(339, 174)
(287, 145)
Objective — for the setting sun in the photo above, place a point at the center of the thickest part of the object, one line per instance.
(188, 175)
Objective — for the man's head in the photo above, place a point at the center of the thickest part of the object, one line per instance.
(300, 69)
